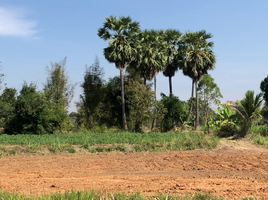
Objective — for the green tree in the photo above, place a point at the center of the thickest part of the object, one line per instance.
(33, 113)
(249, 110)
(121, 49)
(149, 57)
(264, 89)
(7, 105)
(112, 98)
(58, 87)
(199, 59)
(140, 100)
(93, 94)
(176, 111)
(210, 94)
(171, 37)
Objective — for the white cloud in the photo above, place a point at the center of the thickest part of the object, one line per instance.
(13, 22)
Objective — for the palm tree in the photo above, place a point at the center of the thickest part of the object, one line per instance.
(171, 37)
(199, 59)
(249, 109)
(150, 56)
(120, 33)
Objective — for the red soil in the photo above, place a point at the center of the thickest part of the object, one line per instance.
(231, 171)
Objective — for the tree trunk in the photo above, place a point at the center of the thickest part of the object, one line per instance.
(154, 120)
(170, 85)
(208, 126)
(155, 87)
(197, 109)
(123, 100)
(144, 81)
(191, 107)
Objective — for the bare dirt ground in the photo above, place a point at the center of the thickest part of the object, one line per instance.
(234, 170)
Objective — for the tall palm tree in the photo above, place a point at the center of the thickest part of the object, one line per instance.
(199, 59)
(150, 56)
(121, 49)
(171, 37)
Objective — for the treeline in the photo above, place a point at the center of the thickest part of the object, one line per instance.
(128, 101)
(30, 111)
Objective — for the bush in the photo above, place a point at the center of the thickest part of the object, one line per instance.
(34, 114)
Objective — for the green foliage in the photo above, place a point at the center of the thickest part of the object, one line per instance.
(150, 57)
(33, 113)
(260, 140)
(249, 110)
(264, 89)
(90, 106)
(112, 103)
(227, 121)
(172, 38)
(209, 93)
(58, 87)
(121, 49)
(199, 58)
(59, 141)
(140, 100)
(7, 105)
(92, 194)
(176, 112)
(262, 130)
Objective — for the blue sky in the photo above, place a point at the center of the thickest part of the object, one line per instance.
(35, 33)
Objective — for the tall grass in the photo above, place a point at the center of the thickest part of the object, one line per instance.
(92, 195)
(106, 142)
(101, 138)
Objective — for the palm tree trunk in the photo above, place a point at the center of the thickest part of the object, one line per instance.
(170, 85)
(155, 87)
(197, 109)
(154, 120)
(191, 107)
(123, 100)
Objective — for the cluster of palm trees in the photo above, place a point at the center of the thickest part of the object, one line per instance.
(152, 51)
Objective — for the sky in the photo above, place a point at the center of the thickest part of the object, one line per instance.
(35, 33)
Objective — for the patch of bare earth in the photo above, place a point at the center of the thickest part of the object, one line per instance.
(234, 170)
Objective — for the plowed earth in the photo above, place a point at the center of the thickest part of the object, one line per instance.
(234, 170)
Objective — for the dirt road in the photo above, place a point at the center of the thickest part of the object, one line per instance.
(232, 171)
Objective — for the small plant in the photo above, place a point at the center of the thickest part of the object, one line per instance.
(13, 151)
(56, 147)
(33, 148)
(70, 148)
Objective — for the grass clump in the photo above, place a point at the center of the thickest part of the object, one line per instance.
(260, 140)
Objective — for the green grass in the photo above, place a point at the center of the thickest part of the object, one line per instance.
(260, 140)
(99, 138)
(92, 195)
(106, 142)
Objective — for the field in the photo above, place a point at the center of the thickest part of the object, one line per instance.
(235, 169)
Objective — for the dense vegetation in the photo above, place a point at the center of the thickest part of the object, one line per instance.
(128, 101)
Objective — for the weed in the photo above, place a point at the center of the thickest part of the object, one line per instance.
(13, 151)
(33, 148)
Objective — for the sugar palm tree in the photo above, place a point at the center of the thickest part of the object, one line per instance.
(199, 59)
(150, 57)
(121, 49)
(171, 37)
